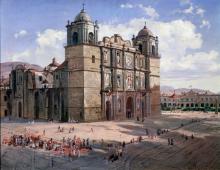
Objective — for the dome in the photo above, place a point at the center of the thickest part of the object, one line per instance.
(145, 32)
(82, 16)
(54, 63)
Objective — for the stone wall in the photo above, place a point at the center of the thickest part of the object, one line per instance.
(155, 85)
(92, 83)
(3, 102)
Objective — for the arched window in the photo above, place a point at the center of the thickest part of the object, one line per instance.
(153, 49)
(118, 81)
(118, 58)
(91, 37)
(140, 47)
(75, 38)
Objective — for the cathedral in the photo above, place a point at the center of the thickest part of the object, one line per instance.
(112, 79)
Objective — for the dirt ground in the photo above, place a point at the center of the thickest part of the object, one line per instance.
(153, 153)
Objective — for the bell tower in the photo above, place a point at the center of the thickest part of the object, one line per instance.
(82, 55)
(147, 44)
(82, 30)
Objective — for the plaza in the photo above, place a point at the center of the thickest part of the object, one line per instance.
(153, 152)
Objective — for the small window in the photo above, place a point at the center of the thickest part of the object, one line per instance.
(57, 77)
(118, 81)
(93, 59)
(40, 78)
(118, 58)
(5, 98)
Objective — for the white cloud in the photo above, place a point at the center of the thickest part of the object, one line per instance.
(127, 5)
(149, 11)
(200, 11)
(192, 9)
(205, 23)
(189, 10)
(21, 33)
(49, 44)
(201, 61)
(22, 56)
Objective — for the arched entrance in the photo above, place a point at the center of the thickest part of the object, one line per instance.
(108, 110)
(129, 108)
(19, 109)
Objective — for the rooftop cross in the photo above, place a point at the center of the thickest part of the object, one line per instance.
(83, 6)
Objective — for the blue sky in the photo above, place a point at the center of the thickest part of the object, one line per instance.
(188, 30)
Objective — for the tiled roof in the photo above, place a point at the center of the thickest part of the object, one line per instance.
(62, 66)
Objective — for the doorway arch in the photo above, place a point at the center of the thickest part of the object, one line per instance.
(108, 110)
(129, 108)
(19, 109)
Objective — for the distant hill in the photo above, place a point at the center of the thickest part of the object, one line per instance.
(170, 90)
(7, 67)
(166, 89)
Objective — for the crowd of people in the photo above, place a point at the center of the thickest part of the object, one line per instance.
(67, 147)
(73, 147)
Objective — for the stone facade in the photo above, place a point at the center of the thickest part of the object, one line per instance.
(108, 80)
